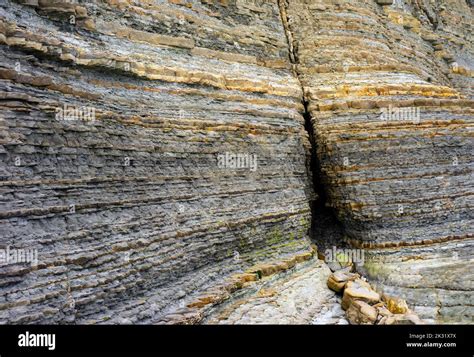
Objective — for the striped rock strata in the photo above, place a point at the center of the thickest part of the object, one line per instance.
(133, 215)
(389, 91)
(136, 208)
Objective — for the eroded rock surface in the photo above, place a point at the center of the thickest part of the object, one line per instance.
(299, 296)
(132, 214)
(388, 85)
(136, 209)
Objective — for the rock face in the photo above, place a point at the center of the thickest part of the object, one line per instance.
(292, 297)
(121, 123)
(389, 91)
(154, 157)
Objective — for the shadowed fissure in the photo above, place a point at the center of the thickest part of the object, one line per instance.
(328, 234)
(326, 230)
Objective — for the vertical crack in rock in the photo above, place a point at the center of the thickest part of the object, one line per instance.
(389, 90)
(326, 230)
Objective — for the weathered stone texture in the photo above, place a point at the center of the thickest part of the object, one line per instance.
(135, 219)
(292, 297)
(130, 213)
(401, 186)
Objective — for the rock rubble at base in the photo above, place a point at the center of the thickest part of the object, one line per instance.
(364, 306)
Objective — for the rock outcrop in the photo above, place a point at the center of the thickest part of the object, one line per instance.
(121, 123)
(388, 85)
(156, 158)
(289, 297)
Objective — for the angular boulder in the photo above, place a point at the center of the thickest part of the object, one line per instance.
(338, 280)
(359, 290)
(361, 313)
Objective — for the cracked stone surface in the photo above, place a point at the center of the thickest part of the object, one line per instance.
(297, 297)
(402, 185)
(131, 214)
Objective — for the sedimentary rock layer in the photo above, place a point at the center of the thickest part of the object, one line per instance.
(154, 158)
(119, 122)
(293, 297)
(389, 90)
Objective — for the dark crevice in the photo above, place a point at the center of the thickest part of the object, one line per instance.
(326, 230)
(319, 202)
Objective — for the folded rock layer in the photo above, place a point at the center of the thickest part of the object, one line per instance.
(154, 156)
(389, 91)
(149, 150)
